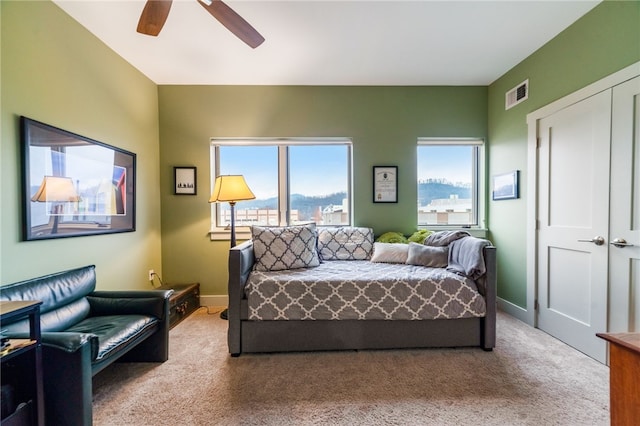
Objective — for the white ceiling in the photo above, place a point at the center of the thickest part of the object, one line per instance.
(354, 42)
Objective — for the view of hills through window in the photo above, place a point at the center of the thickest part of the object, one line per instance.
(318, 183)
(318, 177)
(446, 179)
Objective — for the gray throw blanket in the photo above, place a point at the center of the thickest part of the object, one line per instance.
(465, 257)
(444, 238)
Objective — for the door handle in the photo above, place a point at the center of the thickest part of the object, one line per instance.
(620, 243)
(595, 240)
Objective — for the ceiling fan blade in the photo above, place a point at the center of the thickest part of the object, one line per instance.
(234, 22)
(153, 16)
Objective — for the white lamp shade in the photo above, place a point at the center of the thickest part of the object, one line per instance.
(56, 189)
(230, 188)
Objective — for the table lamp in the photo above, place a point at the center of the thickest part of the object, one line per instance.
(56, 190)
(230, 188)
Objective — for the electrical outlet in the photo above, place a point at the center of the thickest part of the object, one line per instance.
(151, 274)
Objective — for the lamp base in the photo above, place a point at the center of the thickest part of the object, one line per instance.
(224, 314)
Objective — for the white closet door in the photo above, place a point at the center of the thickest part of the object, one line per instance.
(624, 267)
(573, 223)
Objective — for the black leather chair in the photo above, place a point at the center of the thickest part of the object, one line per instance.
(84, 331)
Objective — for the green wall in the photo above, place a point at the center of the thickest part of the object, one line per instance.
(602, 42)
(384, 123)
(55, 71)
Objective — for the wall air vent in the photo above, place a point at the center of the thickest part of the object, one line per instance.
(516, 95)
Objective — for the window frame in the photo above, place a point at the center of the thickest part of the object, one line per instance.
(244, 232)
(479, 185)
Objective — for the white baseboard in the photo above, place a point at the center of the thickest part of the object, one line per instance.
(214, 300)
(514, 310)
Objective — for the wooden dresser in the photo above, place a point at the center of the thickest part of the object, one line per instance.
(624, 377)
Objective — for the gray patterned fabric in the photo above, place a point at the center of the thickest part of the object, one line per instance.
(287, 247)
(362, 290)
(345, 243)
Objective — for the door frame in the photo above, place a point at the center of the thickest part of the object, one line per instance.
(603, 84)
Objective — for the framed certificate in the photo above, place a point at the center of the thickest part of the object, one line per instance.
(385, 184)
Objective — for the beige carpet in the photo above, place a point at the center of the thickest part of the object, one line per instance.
(529, 379)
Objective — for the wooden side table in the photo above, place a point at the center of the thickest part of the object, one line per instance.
(624, 377)
(22, 363)
(183, 302)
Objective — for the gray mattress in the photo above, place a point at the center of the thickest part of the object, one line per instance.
(362, 290)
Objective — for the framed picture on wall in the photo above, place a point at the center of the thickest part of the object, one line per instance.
(505, 186)
(385, 184)
(73, 185)
(184, 179)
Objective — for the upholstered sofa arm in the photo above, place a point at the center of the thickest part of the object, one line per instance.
(64, 340)
(241, 259)
(67, 375)
(71, 342)
(141, 302)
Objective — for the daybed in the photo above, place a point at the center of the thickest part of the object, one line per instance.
(84, 331)
(298, 289)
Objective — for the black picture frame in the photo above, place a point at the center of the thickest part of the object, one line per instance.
(505, 186)
(185, 180)
(385, 184)
(73, 185)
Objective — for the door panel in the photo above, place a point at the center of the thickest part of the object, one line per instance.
(573, 208)
(625, 208)
(572, 186)
(573, 298)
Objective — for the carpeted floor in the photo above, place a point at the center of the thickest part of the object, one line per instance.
(529, 379)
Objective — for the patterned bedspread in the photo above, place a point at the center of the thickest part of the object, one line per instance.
(362, 290)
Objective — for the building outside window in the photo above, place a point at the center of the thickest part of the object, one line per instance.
(449, 183)
(295, 180)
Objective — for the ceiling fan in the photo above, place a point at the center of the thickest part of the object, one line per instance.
(155, 14)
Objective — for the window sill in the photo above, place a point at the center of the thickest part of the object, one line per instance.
(225, 234)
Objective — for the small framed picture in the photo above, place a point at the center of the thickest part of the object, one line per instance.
(385, 184)
(184, 179)
(505, 186)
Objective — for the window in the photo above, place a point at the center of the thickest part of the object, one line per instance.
(449, 182)
(294, 180)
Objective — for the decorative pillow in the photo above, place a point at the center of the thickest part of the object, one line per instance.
(345, 243)
(287, 247)
(433, 257)
(390, 252)
(419, 236)
(392, 237)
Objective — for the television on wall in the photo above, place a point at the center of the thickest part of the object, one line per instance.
(73, 185)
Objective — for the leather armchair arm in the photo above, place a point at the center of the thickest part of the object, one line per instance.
(65, 341)
(71, 342)
(143, 302)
